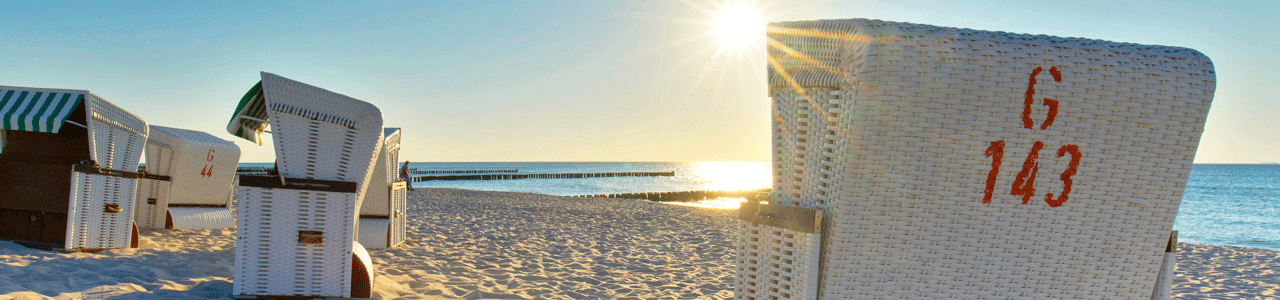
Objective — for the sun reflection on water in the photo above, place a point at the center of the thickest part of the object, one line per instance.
(719, 203)
(731, 175)
(728, 176)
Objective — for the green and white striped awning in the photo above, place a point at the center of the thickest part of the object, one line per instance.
(38, 110)
(250, 119)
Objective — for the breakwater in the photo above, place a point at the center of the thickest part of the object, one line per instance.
(543, 176)
(685, 196)
(255, 170)
(416, 171)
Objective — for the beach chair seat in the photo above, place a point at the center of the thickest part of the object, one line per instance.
(296, 231)
(187, 183)
(945, 163)
(67, 169)
(382, 216)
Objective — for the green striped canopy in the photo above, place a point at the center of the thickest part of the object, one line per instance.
(247, 122)
(38, 110)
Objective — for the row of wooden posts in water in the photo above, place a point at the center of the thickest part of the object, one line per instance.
(544, 176)
(682, 196)
(416, 171)
(488, 174)
(686, 196)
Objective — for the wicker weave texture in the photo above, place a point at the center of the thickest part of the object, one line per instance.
(385, 231)
(386, 205)
(200, 165)
(956, 163)
(89, 224)
(116, 136)
(377, 200)
(399, 214)
(148, 214)
(764, 250)
(321, 134)
(201, 218)
(385, 172)
(271, 260)
(391, 148)
(374, 233)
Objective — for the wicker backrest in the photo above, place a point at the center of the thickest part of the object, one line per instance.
(117, 136)
(320, 134)
(954, 163)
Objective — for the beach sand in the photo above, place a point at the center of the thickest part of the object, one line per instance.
(496, 245)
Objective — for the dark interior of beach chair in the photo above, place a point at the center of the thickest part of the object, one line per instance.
(35, 182)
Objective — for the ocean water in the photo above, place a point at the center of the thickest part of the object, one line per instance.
(689, 176)
(1231, 205)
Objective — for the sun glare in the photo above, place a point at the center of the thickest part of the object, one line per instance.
(738, 26)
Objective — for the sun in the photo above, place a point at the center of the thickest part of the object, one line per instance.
(738, 26)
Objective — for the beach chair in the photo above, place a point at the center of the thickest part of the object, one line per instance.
(921, 162)
(187, 184)
(67, 169)
(296, 232)
(382, 216)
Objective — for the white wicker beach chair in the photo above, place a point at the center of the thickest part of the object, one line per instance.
(187, 184)
(949, 163)
(382, 222)
(296, 232)
(67, 187)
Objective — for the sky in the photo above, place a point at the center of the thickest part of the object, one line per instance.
(565, 80)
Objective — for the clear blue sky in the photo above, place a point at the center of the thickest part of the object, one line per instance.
(564, 80)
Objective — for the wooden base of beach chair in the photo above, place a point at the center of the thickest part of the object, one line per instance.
(33, 199)
(296, 238)
(100, 215)
(361, 278)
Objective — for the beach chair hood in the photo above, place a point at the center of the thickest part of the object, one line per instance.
(47, 110)
(39, 110)
(252, 115)
(202, 166)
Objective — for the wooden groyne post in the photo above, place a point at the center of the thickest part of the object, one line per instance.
(543, 176)
(685, 196)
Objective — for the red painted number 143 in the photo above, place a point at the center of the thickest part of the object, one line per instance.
(1024, 184)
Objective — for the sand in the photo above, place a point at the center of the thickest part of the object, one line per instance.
(496, 245)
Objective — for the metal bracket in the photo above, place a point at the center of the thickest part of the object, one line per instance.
(310, 237)
(787, 217)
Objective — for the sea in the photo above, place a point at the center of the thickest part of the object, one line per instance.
(1223, 204)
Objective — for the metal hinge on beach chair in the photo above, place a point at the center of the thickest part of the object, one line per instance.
(67, 187)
